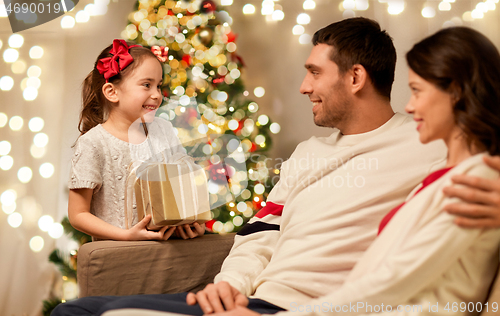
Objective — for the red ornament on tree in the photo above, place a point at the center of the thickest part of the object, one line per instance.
(187, 59)
(257, 205)
(216, 81)
(207, 6)
(219, 173)
(253, 148)
(210, 224)
(231, 37)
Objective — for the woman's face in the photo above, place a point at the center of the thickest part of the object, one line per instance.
(432, 109)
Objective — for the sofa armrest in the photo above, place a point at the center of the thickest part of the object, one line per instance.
(150, 267)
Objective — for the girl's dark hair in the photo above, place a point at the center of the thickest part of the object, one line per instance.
(95, 107)
(464, 63)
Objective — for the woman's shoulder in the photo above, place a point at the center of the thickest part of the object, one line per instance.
(475, 166)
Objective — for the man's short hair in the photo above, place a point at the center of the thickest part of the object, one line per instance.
(361, 41)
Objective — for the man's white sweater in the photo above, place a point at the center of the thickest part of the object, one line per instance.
(324, 212)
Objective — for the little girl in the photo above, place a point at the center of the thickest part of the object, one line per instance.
(122, 90)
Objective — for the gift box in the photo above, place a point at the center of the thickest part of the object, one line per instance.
(172, 193)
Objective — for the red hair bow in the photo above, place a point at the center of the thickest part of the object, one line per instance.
(161, 52)
(111, 66)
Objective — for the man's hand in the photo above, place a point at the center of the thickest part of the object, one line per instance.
(238, 311)
(481, 199)
(217, 298)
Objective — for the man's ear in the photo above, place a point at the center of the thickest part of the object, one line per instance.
(110, 92)
(359, 78)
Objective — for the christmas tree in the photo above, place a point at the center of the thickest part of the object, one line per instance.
(205, 98)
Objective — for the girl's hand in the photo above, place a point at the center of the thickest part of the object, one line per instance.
(139, 231)
(190, 231)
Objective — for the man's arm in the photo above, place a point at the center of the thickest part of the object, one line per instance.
(253, 248)
(481, 199)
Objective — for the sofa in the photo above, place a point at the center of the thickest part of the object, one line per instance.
(152, 267)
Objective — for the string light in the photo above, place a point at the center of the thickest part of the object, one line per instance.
(68, 22)
(16, 41)
(16, 123)
(309, 5)
(444, 6)
(10, 55)
(259, 92)
(303, 19)
(36, 243)
(6, 83)
(428, 12)
(5, 148)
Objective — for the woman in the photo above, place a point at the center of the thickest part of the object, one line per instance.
(422, 263)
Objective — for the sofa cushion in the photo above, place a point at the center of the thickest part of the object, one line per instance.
(150, 267)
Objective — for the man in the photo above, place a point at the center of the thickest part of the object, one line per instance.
(324, 212)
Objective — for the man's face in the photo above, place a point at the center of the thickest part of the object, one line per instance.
(326, 89)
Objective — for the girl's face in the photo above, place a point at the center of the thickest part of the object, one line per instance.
(139, 93)
(432, 109)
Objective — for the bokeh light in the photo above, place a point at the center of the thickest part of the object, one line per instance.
(248, 9)
(34, 71)
(36, 124)
(275, 128)
(9, 209)
(259, 188)
(37, 152)
(68, 22)
(303, 19)
(16, 123)
(15, 219)
(3, 119)
(56, 230)
(6, 162)
(259, 92)
(16, 40)
(30, 93)
(46, 170)
(33, 82)
(10, 55)
(6, 83)
(305, 39)
(41, 140)
(45, 222)
(36, 52)
(309, 5)
(24, 174)
(428, 12)
(18, 67)
(82, 16)
(238, 221)
(263, 119)
(8, 197)
(5, 147)
(36, 243)
(298, 30)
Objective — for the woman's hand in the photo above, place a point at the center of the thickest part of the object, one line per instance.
(190, 231)
(140, 232)
(481, 199)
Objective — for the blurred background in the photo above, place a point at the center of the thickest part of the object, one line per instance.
(42, 69)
